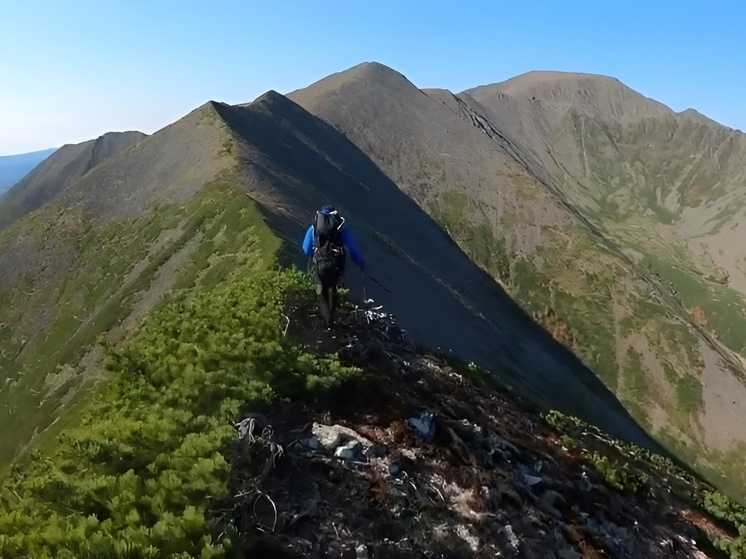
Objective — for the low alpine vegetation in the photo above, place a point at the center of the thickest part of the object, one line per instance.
(630, 469)
(138, 476)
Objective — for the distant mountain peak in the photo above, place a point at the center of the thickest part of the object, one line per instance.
(270, 97)
(372, 73)
(560, 76)
(373, 69)
(693, 114)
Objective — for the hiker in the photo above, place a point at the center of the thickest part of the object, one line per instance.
(324, 245)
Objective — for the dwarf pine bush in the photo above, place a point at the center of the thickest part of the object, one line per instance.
(137, 477)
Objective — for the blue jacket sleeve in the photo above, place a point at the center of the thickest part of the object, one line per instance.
(308, 242)
(349, 242)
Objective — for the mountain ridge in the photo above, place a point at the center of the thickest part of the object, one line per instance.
(55, 173)
(593, 93)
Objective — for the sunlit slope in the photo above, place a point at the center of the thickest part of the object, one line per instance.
(63, 167)
(88, 265)
(669, 190)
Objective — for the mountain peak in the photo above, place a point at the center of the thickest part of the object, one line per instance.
(695, 115)
(370, 69)
(545, 77)
(367, 74)
(270, 96)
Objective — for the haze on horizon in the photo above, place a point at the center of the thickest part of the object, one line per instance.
(74, 71)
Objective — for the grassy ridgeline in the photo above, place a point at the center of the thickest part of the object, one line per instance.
(137, 468)
(99, 275)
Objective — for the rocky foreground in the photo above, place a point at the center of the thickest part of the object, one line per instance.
(425, 458)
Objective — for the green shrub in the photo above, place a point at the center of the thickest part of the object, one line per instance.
(137, 478)
(728, 510)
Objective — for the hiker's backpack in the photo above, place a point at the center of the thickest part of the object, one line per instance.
(329, 254)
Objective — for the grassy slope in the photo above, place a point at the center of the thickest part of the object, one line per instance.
(149, 441)
(86, 266)
(589, 299)
(61, 169)
(641, 177)
(638, 195)
(117, 262)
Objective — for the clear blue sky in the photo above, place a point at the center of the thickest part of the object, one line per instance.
(72, 70)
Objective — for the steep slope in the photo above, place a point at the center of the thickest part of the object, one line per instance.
(295, 163)
(630, 162)
(488, 168)
(56, 172)
(14, 167)
(670, 190)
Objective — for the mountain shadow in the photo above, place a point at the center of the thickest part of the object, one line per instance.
(294, 162)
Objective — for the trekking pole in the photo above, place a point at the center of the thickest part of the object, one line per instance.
(366, 301)
(374, 280)
(365, 292)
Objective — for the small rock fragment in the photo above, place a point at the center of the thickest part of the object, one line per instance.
(423, 425)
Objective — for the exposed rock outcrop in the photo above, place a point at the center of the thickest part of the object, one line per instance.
(422, 458)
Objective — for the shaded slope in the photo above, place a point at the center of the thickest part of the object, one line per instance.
(295, 162)
(66, 165)
(495, 171)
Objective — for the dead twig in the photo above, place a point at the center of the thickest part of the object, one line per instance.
(274, 508)
(246, 427)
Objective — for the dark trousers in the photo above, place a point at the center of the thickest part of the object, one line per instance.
(327, 280)
(327, 296)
